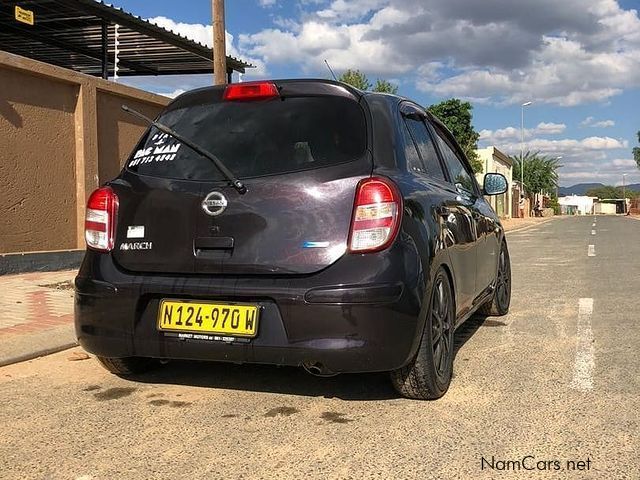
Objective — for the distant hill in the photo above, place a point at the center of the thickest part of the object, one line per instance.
(581, 188)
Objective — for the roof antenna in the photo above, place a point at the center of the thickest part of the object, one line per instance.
(329, 67)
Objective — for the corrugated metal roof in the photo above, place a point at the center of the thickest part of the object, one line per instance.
(69, 33)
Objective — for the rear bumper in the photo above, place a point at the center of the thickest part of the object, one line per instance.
(338, 317)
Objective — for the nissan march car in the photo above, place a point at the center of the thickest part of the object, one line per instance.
(292, 222)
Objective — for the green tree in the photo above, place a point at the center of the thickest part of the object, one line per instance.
(540, 172)
(608, 191)
(384, 86)
(457, 116)
(355, 78)
(636, 152)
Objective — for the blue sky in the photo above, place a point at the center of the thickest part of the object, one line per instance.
(577, 60)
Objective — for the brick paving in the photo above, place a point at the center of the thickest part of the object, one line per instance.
(35, 302)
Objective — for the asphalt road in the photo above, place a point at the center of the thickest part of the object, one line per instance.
(554, 382)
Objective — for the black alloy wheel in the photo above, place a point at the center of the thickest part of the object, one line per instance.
(442, 327)
(499, 303)
(428, 375)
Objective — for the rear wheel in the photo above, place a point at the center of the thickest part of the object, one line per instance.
(429, 374)
(128, 365)
(499, 303)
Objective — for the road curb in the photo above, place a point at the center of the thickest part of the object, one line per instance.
(36, 354)
(13, 263)
(532, 225)
(23, 347)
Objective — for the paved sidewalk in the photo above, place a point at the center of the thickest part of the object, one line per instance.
(36, 314)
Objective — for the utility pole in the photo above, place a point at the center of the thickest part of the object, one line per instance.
(525, 104)
(219, 43)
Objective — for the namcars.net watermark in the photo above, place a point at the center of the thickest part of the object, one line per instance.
(532, 463)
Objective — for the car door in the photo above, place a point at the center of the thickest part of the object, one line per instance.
(466, 202)
(488, 228)
(432, 201)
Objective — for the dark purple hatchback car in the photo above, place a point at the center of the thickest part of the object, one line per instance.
(293, 222)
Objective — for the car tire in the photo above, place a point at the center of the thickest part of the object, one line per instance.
(429, 374)
(128, 365)
(500, 301)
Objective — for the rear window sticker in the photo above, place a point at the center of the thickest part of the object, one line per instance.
(157, 153)
(135, 231)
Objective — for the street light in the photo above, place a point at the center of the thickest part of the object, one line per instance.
(624, 197)
(525, 104)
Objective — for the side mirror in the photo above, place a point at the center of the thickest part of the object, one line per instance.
(495, 184)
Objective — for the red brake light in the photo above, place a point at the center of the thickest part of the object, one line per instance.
(100, 219)
(376, 215)
(251, 91)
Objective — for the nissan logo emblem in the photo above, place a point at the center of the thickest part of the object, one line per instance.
(214, 204)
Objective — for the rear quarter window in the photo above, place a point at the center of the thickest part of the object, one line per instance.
(254, 138)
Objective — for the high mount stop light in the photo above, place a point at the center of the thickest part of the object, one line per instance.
(251, 91)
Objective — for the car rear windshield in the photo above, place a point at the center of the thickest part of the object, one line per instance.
(254, 138)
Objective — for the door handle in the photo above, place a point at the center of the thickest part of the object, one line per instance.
(213, 243)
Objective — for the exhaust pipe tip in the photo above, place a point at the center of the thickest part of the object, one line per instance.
(318, 369)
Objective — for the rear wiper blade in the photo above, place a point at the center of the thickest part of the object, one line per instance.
(233, 181)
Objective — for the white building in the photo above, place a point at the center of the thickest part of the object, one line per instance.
(576, 205)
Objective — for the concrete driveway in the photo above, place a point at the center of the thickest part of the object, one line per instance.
(553, 387)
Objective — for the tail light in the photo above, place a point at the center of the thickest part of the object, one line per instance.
(100, 219)
(376, 215)
(251, 91)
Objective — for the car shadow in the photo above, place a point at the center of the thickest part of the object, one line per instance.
(288, 380)
(271, 379)
(466, 331)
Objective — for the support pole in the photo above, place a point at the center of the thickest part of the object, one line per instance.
(116, 48)
(105, 50)
(219, 44)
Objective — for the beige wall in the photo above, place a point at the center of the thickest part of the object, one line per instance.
(61, 135)
(118, 131)
(494, 161)
(37, 163)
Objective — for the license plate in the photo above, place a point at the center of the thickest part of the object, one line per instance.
(233, 320)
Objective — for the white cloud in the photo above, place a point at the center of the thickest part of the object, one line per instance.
(511, 133)
(608, 172)
(344, 10)
(550, 128)
(493, 52)
(625, 163)
(204, 34)
(591, 122)
(604, 124)
(498, 51)
(585, 155)
(567, 146)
